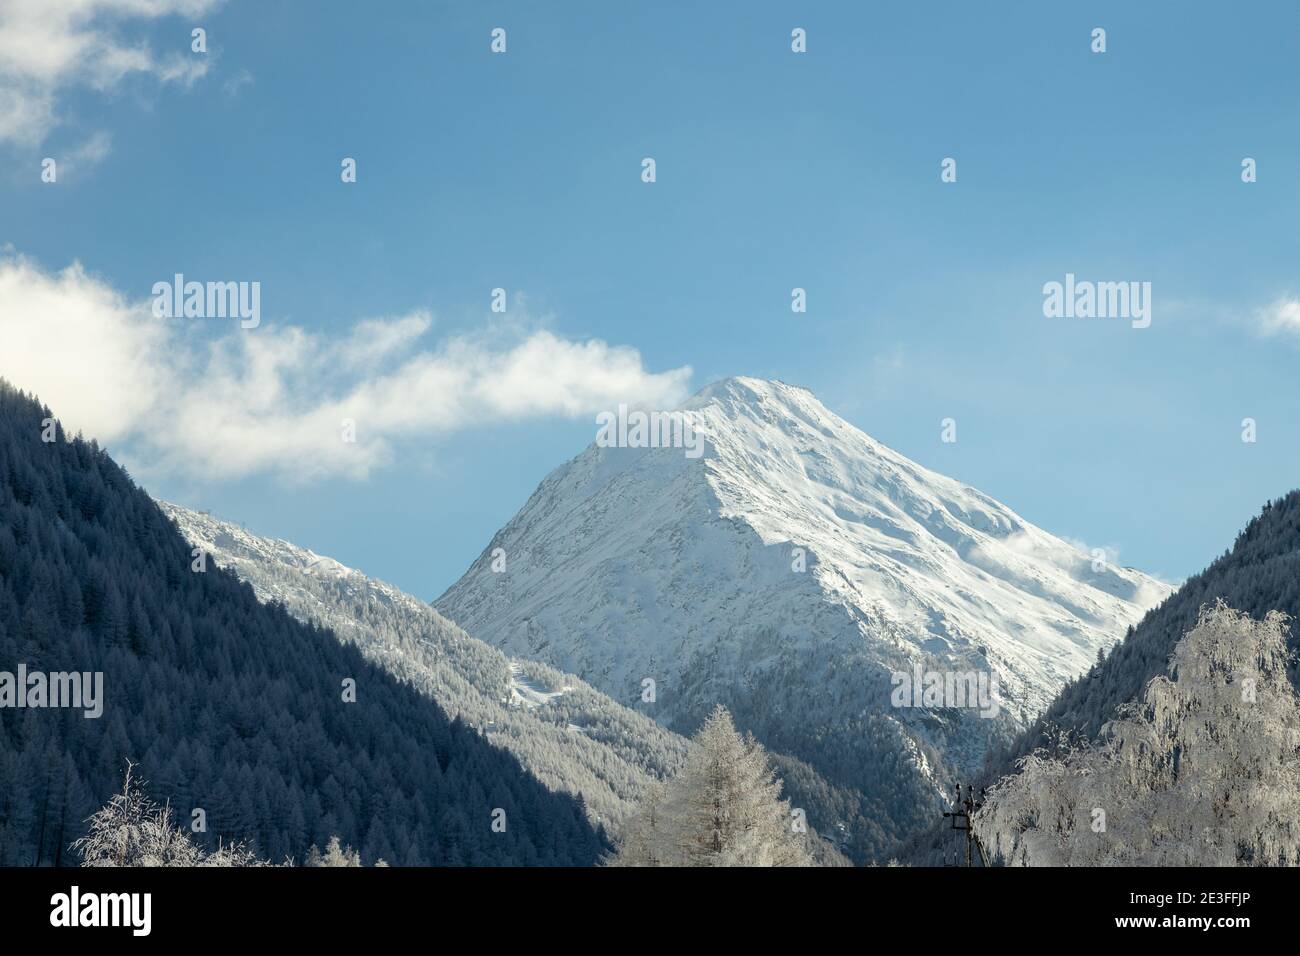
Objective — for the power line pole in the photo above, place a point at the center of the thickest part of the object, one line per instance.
(961, 813)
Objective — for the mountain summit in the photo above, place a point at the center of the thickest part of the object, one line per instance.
(793, 571)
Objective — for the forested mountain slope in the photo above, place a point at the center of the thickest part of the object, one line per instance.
(1259, 574)
(226, 703)
(567, 734)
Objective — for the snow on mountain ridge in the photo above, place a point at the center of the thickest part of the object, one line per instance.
(568, 735)
(789, 571)
(912, 556)
(893, 536)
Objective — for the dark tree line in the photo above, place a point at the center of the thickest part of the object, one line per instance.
(226, 704)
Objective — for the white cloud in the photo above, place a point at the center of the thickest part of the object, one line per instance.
(273, 400)
(74, 340)
(88, 154)
(1280, 318)
(49, 46)
(26, 112)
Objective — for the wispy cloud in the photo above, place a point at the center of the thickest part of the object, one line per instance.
(1281, 317)
(1084, 562)
(50, 46)
(274, 400)
(236, 82)
(87, 155)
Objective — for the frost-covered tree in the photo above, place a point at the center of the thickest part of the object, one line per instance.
(723, 809)
(1204, 771)
(730, 811)
(1259, 573)
(132, 830)
(644, 836)
(336, 854)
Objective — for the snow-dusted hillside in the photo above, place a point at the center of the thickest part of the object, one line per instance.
(571, 737)
(636, 563)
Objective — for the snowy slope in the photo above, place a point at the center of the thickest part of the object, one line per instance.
(568, 735)
(525, 693)
(635, 563)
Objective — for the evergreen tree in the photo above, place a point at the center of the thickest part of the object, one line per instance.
(645, 831)
(723, 809)
(335, 855)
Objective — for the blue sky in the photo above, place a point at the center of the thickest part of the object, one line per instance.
(774, 170)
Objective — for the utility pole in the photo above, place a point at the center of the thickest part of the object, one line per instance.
(962, 811)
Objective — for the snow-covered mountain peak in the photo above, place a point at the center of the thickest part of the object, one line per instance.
(744, 389)
(794, 471)
(795, 541)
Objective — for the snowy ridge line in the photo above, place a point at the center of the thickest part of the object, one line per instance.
(788, 572)
(571, 737)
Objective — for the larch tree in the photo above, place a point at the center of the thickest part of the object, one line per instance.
(1204, 771)
(723, 809)
(644, 836)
